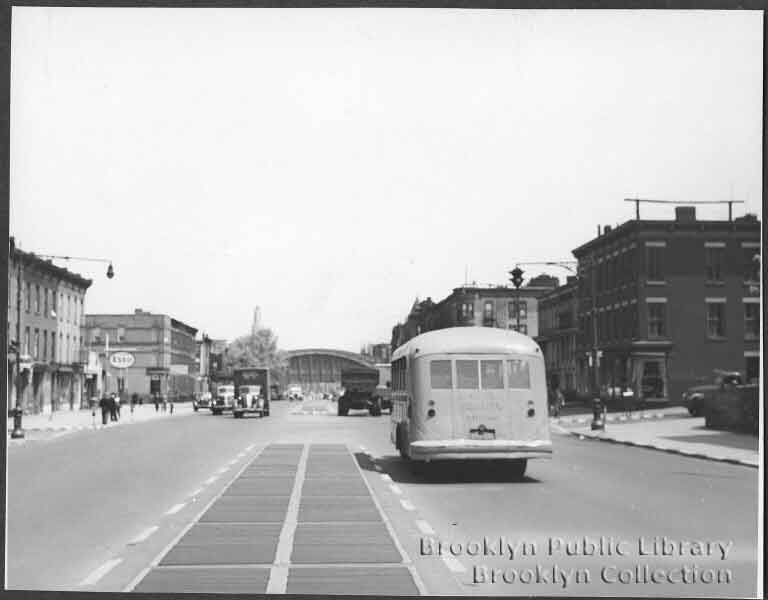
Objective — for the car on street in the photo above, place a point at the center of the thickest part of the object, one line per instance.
(733, 405)
(224, 400)
(203, 400)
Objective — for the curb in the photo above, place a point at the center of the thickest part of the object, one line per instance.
(618, 418)
(733, 461)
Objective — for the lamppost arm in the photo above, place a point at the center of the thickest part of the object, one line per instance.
(110, 269)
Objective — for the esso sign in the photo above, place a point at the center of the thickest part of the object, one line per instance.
(122, 360)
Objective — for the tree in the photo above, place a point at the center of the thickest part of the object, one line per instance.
(256, 349)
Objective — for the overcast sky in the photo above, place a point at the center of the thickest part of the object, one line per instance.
(330, 166)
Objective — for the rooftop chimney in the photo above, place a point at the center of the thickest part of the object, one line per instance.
(685, 214)
(606, 229)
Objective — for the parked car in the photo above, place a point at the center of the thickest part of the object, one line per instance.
(696, 397)
(733, 405)
(203, 400)
(224, 400)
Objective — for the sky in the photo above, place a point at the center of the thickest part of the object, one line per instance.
(331, 165)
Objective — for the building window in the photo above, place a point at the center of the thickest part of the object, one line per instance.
(45, 302)
(715, 319)
(53, 300)
(518, 305)
(53, 345)
(61, 347)
(121, 334)
(713, 257)
(523, 328)
(488, 310)
(654, 262)
(96, 335)
(751, 265)
(465, 311)
(751, 320)
(45, 345)
(752, 371)
(26, 340)
(656, 319)
(36, 348)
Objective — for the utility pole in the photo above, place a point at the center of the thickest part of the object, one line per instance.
(18, 431)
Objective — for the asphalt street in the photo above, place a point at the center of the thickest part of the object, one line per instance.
(334, 510)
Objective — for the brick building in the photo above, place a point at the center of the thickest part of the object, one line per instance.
(45, 317)
(492, 306)
(164, 350)
(665, 302)
(558, 333)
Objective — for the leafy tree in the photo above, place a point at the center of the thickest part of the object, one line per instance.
(256, 349)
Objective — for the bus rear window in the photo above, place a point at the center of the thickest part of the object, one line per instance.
(518, 374)
(466, 375)
(440, 374)
(491, 376)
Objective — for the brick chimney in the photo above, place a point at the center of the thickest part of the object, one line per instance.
(685, 214)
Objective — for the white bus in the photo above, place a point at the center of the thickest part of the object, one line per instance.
(470, 392)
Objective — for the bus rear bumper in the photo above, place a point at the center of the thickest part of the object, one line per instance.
(490, 449)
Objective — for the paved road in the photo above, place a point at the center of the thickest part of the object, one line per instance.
(121, 508)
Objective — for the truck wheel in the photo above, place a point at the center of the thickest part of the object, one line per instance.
(517, 469)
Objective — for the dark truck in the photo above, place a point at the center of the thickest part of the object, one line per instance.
(697, 397)
(359, 385)
(252, 391)
(733, 405)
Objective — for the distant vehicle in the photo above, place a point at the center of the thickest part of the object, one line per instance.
(224, 399)
(251, 391)
(383, 395)
(359, 385)
(694, 398)
(275, 393)
(202, 401)
(470, 393)
(294, 393)
(732, 404)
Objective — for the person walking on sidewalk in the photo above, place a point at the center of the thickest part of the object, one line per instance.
(118, 402)
(134, 401)
(170, 404)
(165, 403)
(156, 398)
(104, 406)
(112, 408)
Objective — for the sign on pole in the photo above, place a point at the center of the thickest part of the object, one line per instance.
(122, 360)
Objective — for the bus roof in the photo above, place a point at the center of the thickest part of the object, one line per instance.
(468, 340)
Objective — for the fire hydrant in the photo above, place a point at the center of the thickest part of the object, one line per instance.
(17, 432)
(598, 415)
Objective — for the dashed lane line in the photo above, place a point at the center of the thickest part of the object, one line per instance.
(196, 492)
(210, 480)
(143, 573)
(175, 508)
(424, 527)
(143, 535)
(407, 505)
(453, 564)
(386, 477)
(395, 489)
(278, 574)
(406, 559)
(101, 571)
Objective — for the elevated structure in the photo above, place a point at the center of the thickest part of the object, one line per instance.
(318, 370)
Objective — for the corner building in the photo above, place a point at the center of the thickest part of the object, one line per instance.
(661, 304)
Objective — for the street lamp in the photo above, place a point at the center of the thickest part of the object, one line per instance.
(18, 430)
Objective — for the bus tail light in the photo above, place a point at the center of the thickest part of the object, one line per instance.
(531, 410)
(431, 413)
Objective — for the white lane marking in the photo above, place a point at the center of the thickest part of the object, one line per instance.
(174, 509)
(425, 527)
(407, 505)
(196, 492)
(278, 574)
(241, 455)
(210, 480)
(222, 470)
(378, 468)
(231, 462)
(155, 561)
(453, 564)
(143, 535)
(362, 448)
(391, 530)
(249, 448)
(386, 477)
(101, 571)
(395, 489)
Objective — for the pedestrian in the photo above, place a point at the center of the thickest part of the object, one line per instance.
(118, 402)
(104, 406)
(134, 401)
(156, 398)
(112, 403)
(165, 403)
(170, 404)
(559, 401)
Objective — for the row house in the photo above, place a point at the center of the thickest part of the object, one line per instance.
(662, 303)
(558, 333)
(45, 318)
(163, 356)
(475, 306)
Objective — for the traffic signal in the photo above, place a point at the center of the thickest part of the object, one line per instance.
(517, 277)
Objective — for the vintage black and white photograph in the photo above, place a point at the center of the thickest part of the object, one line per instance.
(385, 301)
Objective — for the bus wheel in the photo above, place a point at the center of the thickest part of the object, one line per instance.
(517, 469)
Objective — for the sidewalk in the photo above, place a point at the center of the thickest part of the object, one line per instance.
(619, 417)
(71, 420)
(686, 436)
